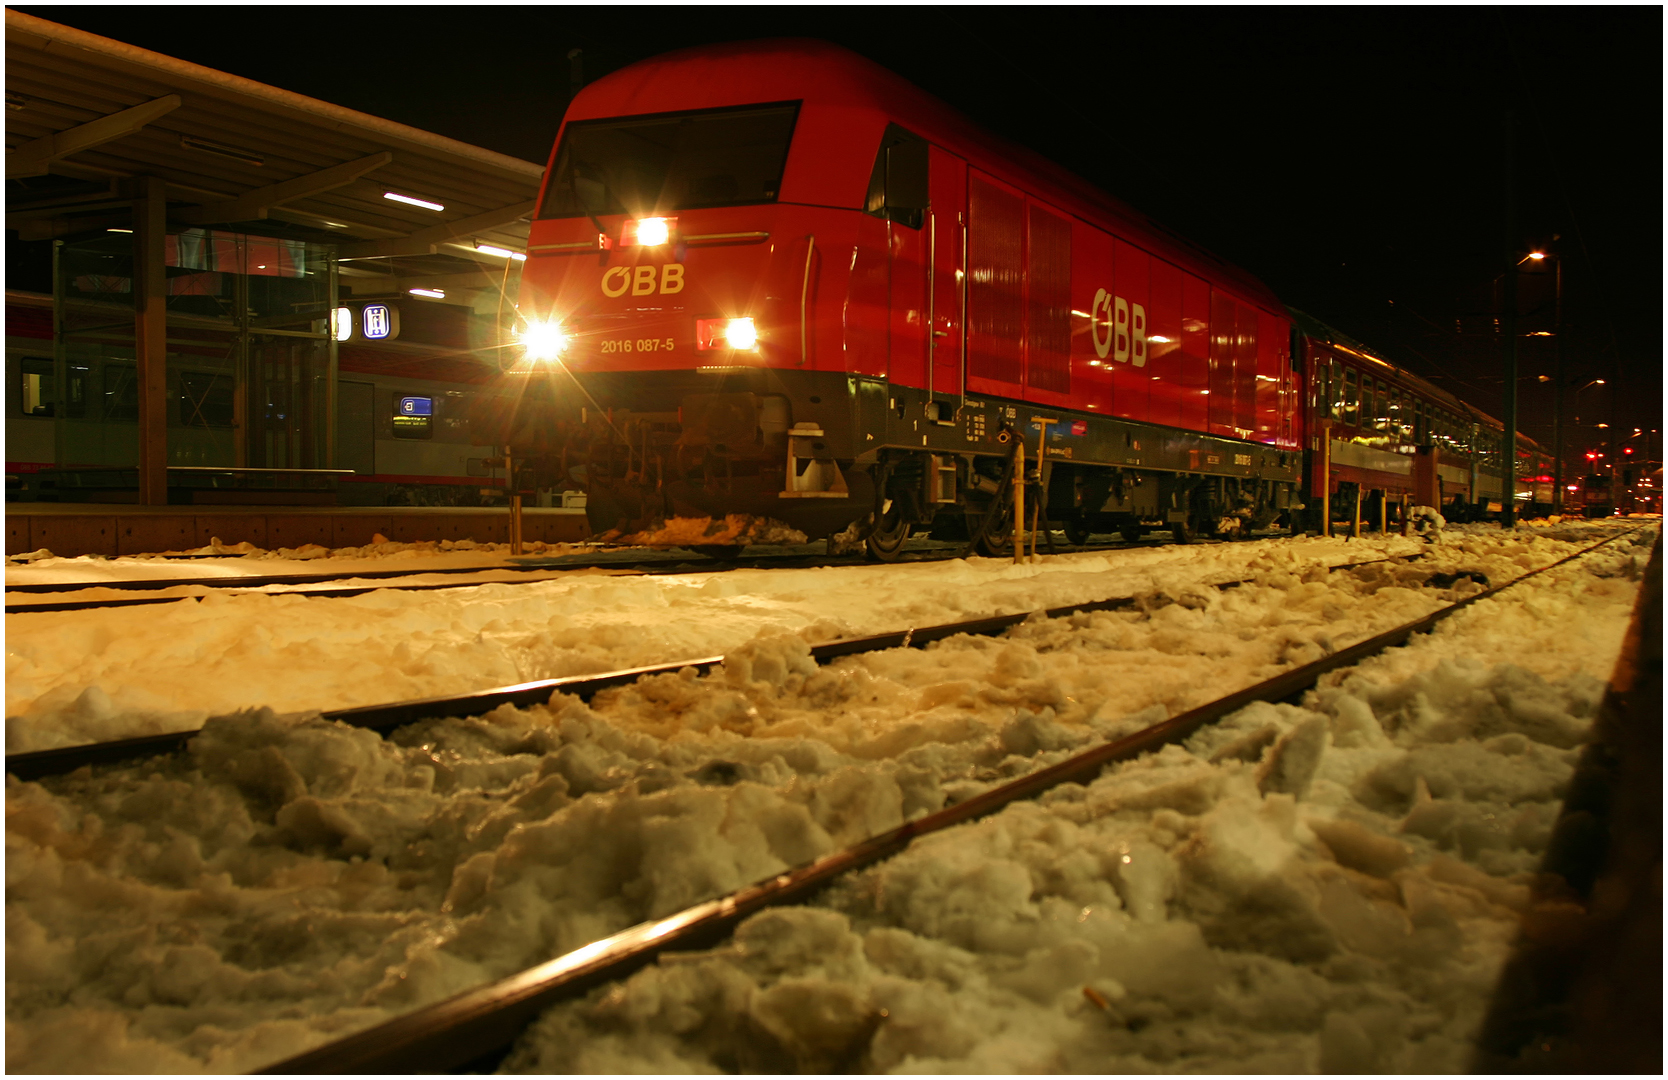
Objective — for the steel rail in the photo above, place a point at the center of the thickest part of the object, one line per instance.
(37, 764)
(253, 582)
(471, 1026)
(241, 585)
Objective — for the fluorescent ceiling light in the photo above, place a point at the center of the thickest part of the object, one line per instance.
(437, 294)
(424, 203)
(118, 230)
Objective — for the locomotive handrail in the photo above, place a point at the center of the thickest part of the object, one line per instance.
(581, 245)
(932, 295)
(700, 237)
(963, 291)
(804, 297)
(258, 469)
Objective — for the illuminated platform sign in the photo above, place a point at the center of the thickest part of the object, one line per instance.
(379, 322)
(413, 417)
(372, 322)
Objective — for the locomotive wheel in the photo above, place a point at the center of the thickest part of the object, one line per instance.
(1181, 532)
(1076, 530)
(885, 543)
(997, 540)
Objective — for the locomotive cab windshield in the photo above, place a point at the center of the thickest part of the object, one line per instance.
(677, 161)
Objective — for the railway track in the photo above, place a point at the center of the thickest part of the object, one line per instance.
(527, 573)
(471, 1031)
(464, 1031)
(384, 718)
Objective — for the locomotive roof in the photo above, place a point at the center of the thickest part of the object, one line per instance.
(826, 76)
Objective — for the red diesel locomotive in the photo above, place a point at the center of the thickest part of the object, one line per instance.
(773, 279)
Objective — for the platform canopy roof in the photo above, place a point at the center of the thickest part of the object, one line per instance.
(85, 115)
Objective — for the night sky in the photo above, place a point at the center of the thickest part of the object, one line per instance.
(1352, 158)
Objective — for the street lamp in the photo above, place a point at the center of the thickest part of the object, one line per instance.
(1557, 379)
(1508, 335)
(1576, 397)
(1557, 334)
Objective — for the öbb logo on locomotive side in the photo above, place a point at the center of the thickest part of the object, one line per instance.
(642, 280)
(1125, 327)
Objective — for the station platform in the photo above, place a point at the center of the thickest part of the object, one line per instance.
(71, 529)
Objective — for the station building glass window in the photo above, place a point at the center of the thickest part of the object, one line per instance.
(247, 334)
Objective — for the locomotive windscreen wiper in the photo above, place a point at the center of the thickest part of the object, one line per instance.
(590, 172)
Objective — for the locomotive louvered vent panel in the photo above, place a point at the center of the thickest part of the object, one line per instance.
(995, 293)
(1048, 311)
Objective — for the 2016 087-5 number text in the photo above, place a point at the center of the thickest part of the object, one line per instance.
(625, 345)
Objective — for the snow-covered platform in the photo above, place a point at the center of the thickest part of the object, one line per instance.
(71, 529)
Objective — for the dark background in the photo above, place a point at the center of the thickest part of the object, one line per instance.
(1353, 158)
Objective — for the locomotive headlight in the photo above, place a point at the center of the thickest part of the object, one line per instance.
(741, 334)
(544, 340)
(738, 334)
(647, 232)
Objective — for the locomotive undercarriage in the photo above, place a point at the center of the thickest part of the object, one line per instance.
(860, 461)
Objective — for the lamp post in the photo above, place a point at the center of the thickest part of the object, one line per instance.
(1557, 379)
(1508, 338)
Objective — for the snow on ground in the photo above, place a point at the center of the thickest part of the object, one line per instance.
(1330, 888)
(1341, 898)
(84, 676)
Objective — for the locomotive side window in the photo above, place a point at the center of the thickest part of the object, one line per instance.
(1351, 415)
(898, 181)
(681, 161)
